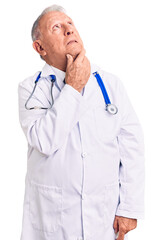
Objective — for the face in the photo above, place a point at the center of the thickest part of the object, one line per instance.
(58, 37)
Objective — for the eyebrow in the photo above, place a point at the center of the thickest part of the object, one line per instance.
(53, 20)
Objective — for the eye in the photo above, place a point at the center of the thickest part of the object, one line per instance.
(56, 26)
(70, 23)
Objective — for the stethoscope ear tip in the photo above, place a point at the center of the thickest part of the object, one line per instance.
(38, 77)
(53, 78)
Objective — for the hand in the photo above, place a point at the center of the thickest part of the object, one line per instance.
(78, 71)
(123, 225)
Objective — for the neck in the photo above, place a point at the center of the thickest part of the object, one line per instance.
(61, 63)
(61, 67)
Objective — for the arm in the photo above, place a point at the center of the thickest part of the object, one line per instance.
(46, 130)
(131, 148)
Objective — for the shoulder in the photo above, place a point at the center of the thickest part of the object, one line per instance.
(111, 80)
(29, 81)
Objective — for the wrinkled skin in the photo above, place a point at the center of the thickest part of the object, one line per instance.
(123, 225)
(56, 31)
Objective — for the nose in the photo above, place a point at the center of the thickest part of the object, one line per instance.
(69, 31)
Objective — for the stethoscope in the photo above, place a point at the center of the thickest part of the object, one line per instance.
(53, 79)
(111, 108)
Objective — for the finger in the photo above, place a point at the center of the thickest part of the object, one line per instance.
(121, 235)
(69, 59)
(80, 57)
(115, 225)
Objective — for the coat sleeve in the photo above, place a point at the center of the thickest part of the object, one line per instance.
(46, 130)
(132, 170)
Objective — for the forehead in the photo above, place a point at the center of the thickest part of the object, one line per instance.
(52, 17)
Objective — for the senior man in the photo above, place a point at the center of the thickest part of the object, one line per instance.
(85, 169)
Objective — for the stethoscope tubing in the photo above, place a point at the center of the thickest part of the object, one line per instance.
(111, 108)
(53, 79)
(102, 86)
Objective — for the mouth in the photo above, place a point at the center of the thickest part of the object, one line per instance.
(72, 41)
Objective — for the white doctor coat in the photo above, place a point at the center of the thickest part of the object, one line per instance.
(84, 165)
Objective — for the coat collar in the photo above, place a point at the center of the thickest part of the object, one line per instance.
(90, 88)
(60, 75)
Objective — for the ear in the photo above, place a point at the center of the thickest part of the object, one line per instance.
(37, 45)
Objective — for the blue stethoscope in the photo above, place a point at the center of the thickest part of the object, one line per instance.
(111, 108)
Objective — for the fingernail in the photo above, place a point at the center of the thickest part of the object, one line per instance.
(68, 55)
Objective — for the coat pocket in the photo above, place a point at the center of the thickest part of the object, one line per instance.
(107, 125)
(111, 201)
(45, 207)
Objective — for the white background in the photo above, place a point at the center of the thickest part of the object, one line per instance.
(124, 37)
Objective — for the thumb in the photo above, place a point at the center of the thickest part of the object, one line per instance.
(115, 225)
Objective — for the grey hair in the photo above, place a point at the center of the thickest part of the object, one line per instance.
(35, 33)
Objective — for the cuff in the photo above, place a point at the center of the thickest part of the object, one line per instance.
(130, 214)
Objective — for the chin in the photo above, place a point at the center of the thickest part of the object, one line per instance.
(75, 51)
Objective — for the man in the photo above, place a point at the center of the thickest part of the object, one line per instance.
(85, 173)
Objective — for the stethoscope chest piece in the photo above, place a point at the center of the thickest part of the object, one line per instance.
(111, 108)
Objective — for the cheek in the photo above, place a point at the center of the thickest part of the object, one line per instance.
(79, 38)
(55, 45)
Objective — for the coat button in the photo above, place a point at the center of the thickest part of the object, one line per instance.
(83, 196)
(83, 154)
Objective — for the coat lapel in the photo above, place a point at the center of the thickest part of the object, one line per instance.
(91, 91)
